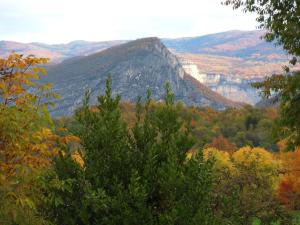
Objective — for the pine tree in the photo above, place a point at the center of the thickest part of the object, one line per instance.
(134, 176)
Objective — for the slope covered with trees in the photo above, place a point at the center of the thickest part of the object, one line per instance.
(114, 163)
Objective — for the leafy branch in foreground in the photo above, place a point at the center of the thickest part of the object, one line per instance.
(281, 19)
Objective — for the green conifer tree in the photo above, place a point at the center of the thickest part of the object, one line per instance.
(137, 176)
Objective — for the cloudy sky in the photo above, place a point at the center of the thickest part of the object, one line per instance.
(61, 21)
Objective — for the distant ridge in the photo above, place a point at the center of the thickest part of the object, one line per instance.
(56, 52)
(135, 67)
(242, 44)
(235, 43)
(232, 52)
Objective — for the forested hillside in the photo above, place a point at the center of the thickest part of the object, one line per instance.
(154, 146)
(122, 163)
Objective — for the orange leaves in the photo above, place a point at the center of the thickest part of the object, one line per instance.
(17, 74)
(26, 138)
(69, 139)
(289, 192)
(223, 144)
(34, 150)
(291, 162)
(28, 142)
(289, 188)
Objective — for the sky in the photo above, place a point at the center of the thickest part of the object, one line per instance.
(62, 21)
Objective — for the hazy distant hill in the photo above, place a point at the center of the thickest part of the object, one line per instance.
(241, 44)
(57, 52)
(233, 52)
(135, 67)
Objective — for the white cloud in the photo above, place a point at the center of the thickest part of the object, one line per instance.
(56, 21)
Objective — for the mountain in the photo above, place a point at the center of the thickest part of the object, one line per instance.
(57, 52)
(229, 62)
(241, 44)
(245, 68)
(233, 52)
(226, 62)
(135, 67)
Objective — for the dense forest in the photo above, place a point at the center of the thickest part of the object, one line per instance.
(123, 163)
(152, 162)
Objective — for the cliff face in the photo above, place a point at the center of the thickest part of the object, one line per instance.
(233, 87)
(135, 67)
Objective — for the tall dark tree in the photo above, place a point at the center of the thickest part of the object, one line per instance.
(131, 176)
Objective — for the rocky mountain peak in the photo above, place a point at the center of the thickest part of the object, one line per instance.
(135, 67)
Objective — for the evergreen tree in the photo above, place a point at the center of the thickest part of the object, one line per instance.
(134, 176)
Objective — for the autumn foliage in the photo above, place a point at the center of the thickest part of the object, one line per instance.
(289, 188)
(132, 164)
(28, 140)
(223, 144)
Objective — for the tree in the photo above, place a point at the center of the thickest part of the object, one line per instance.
(27, 142)
(133, 175)
(223, 144)
(245, 186)
(288, 92)
(23, 115)
(281, 20)
(289, 188)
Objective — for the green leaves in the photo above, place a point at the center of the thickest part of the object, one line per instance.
(281, 20)
(132, 175)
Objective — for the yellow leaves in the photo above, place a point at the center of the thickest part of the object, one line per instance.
(221, 159)
(70, 139)
(46, 132)
(34, 150)
(78, 159)
(17, 74)
(189, 154)
(2, 85)
(39, 70)
(246, 159)
(255, 156)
